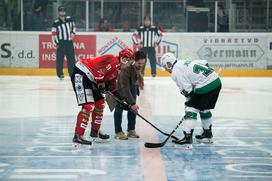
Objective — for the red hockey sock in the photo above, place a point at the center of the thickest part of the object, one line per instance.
(97, 114)
(83, 119)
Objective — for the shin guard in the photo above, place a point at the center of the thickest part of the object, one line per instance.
(83, 118)
(97, 114)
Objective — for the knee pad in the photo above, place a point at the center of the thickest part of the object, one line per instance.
(86, 111)
(205, 114)
(88, 107)
(191, 113)
(99, 105)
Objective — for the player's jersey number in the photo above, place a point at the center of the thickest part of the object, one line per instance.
(206, 71)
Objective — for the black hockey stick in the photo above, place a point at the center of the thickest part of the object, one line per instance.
(158, 145)
(126, 104)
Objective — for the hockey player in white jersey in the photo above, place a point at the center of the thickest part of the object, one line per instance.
(201, 86)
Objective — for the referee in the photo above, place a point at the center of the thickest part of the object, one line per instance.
(147, 37)
(63, 32)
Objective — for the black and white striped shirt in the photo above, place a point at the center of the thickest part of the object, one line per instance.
(148, 36)
(62, 30)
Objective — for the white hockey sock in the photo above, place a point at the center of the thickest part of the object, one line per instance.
(188, 124)
(206, 118)
(206, 123)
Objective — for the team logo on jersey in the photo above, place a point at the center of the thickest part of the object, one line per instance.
(108, 67)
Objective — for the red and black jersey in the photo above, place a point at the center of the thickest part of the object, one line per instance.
(105, 68)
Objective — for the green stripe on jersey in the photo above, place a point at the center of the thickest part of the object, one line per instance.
(207, 88)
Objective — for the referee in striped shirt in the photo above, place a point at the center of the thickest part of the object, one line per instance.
(147, 37)
(63, 33)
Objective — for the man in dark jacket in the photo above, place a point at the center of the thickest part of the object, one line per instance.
(128, 84)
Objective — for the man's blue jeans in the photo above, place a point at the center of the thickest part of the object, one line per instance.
(118, 115)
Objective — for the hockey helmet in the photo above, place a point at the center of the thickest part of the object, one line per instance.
(168, 58)
(126, 52)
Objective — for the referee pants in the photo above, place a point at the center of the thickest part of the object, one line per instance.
(65, 48)
(151, 55)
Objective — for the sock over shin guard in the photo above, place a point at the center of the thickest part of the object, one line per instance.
(97, 114)
(83, 118)
(190, 119)
(206, 119)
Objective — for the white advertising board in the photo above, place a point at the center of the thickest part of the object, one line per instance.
(19, 50)
(229, 51)
(226, 50)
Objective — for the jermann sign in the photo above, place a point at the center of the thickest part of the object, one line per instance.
(231, 50)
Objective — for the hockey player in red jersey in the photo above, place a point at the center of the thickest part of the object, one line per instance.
(91, 78)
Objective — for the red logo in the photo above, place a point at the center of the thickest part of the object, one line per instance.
(85, 47)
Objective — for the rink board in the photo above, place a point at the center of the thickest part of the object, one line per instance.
(231, 51)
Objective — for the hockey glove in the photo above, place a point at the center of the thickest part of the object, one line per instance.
(187, 94)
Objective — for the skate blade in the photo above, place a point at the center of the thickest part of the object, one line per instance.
(81, 146)
(205, 140)
(99, 140)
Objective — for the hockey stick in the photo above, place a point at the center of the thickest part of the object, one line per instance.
(158, 145)
(125, 103)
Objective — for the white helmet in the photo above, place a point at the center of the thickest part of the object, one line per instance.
(168, 57)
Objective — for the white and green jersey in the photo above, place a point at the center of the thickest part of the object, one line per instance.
(194, 76)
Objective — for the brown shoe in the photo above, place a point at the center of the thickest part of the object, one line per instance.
(133, 134)
(120, 136)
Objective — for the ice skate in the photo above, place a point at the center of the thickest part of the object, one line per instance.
(206, 136)
(79, 140)
(186, 142)
(98, 136)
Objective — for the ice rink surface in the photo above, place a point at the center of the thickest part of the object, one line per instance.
(38, 114)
